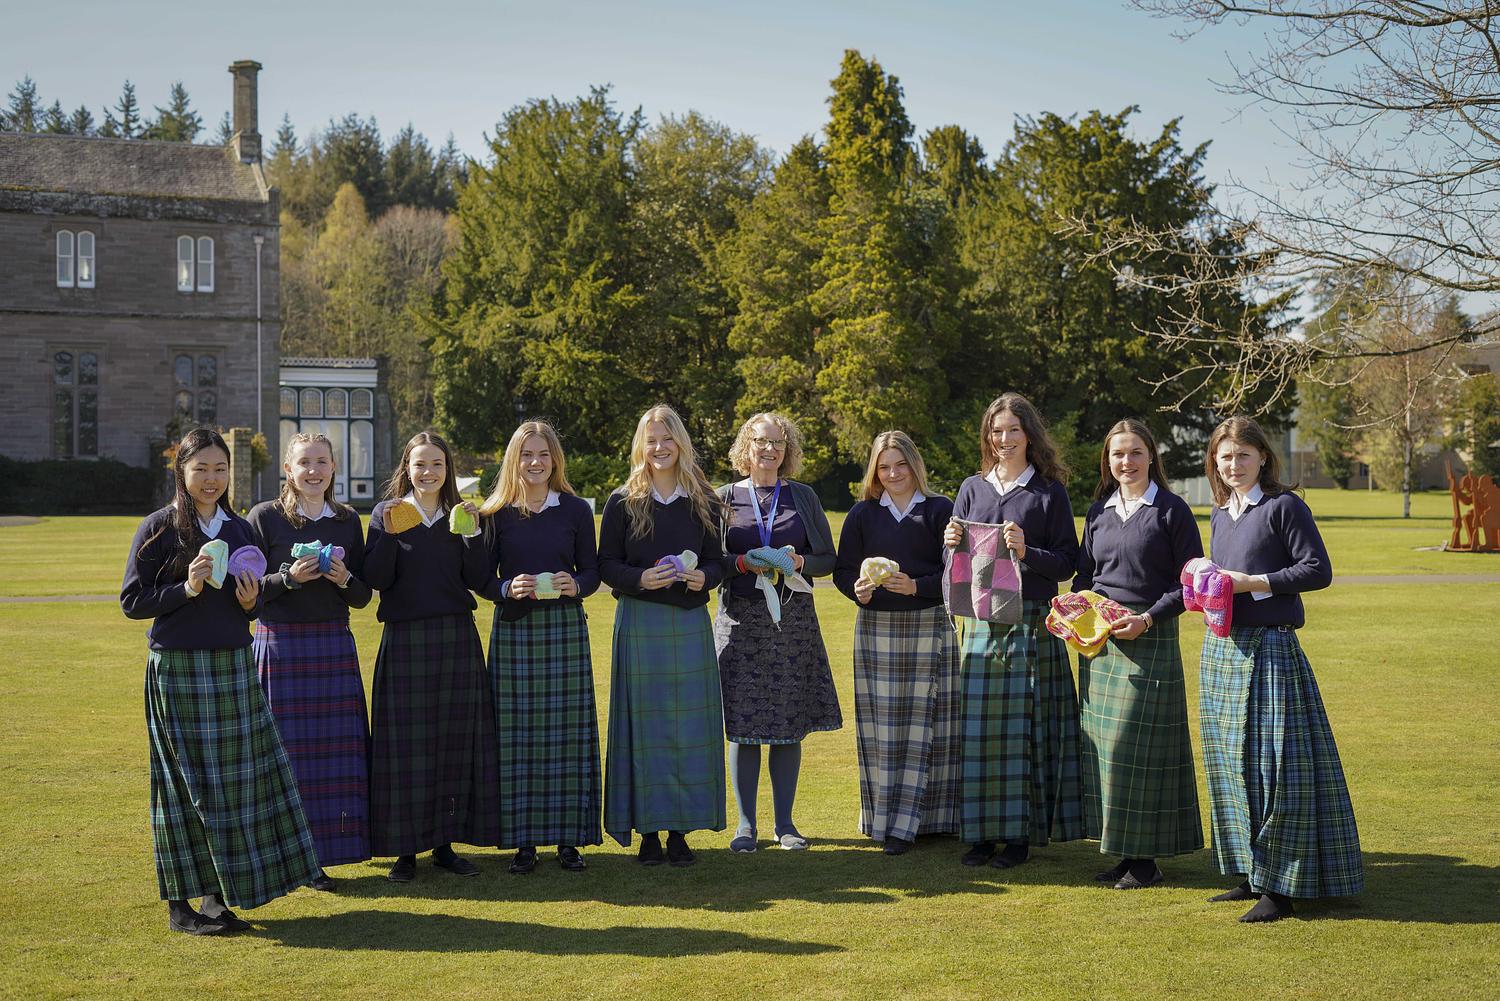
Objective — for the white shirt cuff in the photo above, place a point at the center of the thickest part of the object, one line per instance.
(1264, 579)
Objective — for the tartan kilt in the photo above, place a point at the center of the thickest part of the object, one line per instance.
(906, 704)
(1019, 771)
(1281, 809)
(309, 672)
(546, 727)
(432, 761)
(225, 814)
(1140, 792)
(665, 763)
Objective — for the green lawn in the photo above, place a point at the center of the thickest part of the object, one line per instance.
(1410, 687)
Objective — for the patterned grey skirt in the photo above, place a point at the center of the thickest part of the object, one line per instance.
(778, 686)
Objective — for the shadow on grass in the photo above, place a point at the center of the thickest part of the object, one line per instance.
(389, 931)
(1429, 889)
(721, 881)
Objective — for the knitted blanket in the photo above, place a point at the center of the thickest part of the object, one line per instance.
(981, 578)
(1208, 589)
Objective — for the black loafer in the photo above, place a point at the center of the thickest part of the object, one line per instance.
(524, 862)
(323, 883)
(1129, 882)
(458, 866)
(571, 859)
(651, 853)
(678, 852)
(231, 921)
(403, 871)
(979, 854)
(197, 924)
(1111, 875)
(897, 846)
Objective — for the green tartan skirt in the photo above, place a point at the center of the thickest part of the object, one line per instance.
(1140, 792)
(1281, 809)
(665, 765)
(1019, 770)
(225, 813)
(546, 726)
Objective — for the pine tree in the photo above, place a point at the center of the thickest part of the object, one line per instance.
(177, 122)
(25, 110)
(110, 129)
(82, 122)
(128, 125)
(452, 171)
(56, 120)
(226, 131)
(411, 170)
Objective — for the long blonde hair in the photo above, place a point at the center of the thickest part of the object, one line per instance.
(690, 478)
(288, 502)
(509, 487)
(872, 489)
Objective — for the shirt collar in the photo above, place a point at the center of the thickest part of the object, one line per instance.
(1237, 506)
(554, 499)
(1117, 500)
(327, 512)
(890, 505)
(437, 515)
(211, 526)
(677, 492)
(1020, 481)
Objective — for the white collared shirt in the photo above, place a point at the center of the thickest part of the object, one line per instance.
(890, 505)
(327, 512)
(1125, 508)
(677, 492)
(1237, 506)
(211, 526)
(437, 516)
(1001, 486)
(553, 500)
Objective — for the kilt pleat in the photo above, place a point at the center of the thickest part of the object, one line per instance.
(665, 764)
(1140, 792)
(225, 814)
(546, 727)
(432, 762)
(309, 672)
(1019, 772)
(778, 684)
(906, 705)
(1280, 805)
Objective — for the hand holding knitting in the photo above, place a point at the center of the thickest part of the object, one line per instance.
(565, 584)
(953, 535)
(658, 577)
(695, 579)
(247, 589)
(304, 569)
(1244, 583)
(901, 583)
(1015, 539)
(1129, 627)
(198, 573)
(797, 560)
(864, 590)
(337, 572)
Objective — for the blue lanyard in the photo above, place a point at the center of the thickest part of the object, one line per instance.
(764, 526)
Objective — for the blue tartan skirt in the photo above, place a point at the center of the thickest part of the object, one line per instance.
(1281, 809)
(665, 765)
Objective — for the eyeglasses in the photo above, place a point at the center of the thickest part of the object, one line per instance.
(779, 444)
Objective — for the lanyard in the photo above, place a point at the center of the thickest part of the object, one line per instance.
(763, 526)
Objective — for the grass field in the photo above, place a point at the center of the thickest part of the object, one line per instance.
(1407, 670)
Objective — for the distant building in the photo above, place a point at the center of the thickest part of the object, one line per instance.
(345, 399)
(139, 287)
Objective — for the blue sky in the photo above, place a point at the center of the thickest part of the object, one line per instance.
(760, 68)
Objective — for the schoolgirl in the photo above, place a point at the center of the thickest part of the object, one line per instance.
(906, 699)
(1020, 773)
(665, 763)
(304, 651)
(538, 538)
(1281, 810)
(226, 819)
(1140, 793)
(432, 763)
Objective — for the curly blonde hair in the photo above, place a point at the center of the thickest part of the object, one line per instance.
(791, 459)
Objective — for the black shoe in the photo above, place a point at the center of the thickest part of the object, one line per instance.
(897, 846)
(404, 869)
(1112, 875)
(1012, 855)
(193, 923)
(231, 921)
(323, 882)
(678, 852)
(651, 853)
(457, 865)
(979, 854)
(524, 862)
(571, 859)
(1130, 881)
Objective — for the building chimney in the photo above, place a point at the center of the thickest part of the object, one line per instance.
(246, 111)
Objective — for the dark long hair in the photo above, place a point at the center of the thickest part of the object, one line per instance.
(1041, 452)
(1158, 470)
(399, 485)
(185, 513)
(1244, 431)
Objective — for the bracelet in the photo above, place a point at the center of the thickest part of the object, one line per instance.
(739, 564)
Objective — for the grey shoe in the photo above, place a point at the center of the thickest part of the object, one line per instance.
(792, 842)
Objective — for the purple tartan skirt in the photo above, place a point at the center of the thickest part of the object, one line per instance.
(310, 674)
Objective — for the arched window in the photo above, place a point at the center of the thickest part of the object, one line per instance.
(184, 264)
(362, 403)
(312, 403)
(85, 259)
(288, 402)
(336, 403)
(64, 258)
(205, 264)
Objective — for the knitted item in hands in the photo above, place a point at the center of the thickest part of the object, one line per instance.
(778, 567)
(877, 569)
(461, 522)
(247, 558)
(325, 554)
(1208, 589)
(544, 587)
(680, 563)
(981, 578)
(1084, 620)
(218, 551)
(401, 516)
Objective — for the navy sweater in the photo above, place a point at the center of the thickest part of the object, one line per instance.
(212, 621)
(319, 599)
(1045, 515)
(556, 538)
(915, 542)
(1278, 538)
(1138, 562)
(623, 559)
(423, 572)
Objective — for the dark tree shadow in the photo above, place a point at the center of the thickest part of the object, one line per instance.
(393, 931)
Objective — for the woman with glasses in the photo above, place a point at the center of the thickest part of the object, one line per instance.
(1019, 776)
(778, 686)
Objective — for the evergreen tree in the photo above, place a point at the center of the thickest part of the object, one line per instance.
(110, 129)
(1476, 420)
(177, 122)
(56, 120)
(350, 152)
(954, 162)
(410, 170)
(452, 171)
(225, 134)
(24, 111)
(128, 125)
(82, 122)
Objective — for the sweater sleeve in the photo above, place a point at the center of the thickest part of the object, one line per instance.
(142, 594)
(357, 594)
(711, 561)
(931, 585)
(1055, 555)
(478, 567)
(1186, 545)
(380, 551)
(585, 553)
(488, 542)
(613, 568)
(851, 552)
(1311, 569)
(272, 586)
(819, 562)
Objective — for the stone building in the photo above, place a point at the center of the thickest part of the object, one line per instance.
(139, 289)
